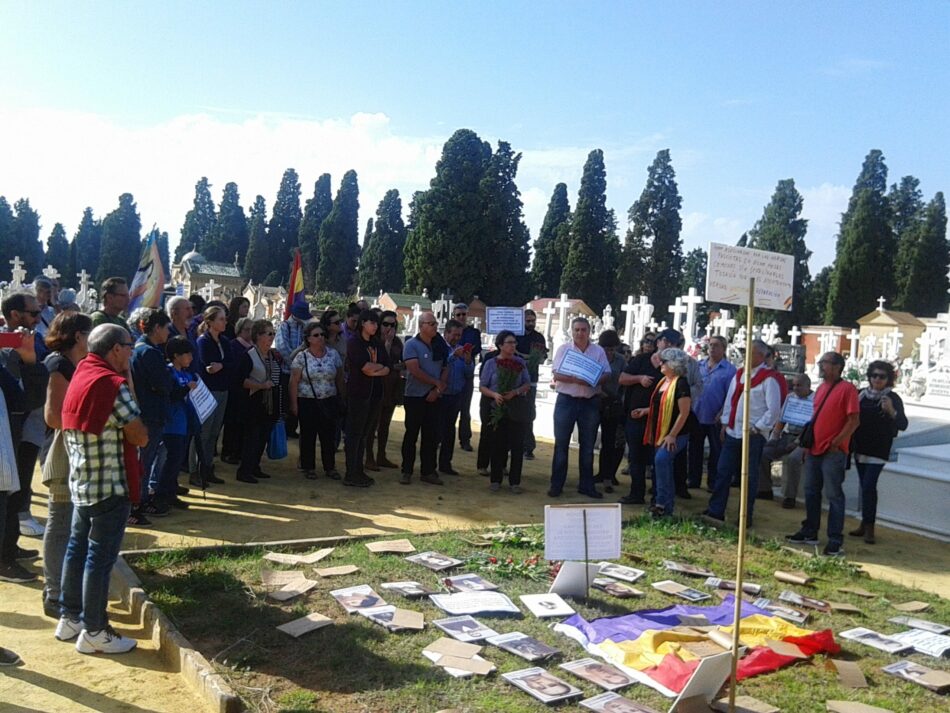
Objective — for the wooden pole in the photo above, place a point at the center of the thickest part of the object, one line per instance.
(743, 492)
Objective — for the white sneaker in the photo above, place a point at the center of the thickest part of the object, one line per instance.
(104, 641)
(31, 528)
(67, 629)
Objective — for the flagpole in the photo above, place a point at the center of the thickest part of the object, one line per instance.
(743, 492)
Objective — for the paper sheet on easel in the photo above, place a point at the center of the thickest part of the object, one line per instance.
(565, 537)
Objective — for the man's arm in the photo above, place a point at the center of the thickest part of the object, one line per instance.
(850, 426)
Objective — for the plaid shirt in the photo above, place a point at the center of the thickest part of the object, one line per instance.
(96, 463)
(289, 337)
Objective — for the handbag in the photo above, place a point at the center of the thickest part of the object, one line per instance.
(277, 442)
(807, 437)
(56, 469)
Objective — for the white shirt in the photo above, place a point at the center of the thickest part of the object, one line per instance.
(765, 406)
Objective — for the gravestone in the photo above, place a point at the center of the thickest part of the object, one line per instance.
(790, 359)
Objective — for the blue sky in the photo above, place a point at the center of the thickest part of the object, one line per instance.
(102, 98)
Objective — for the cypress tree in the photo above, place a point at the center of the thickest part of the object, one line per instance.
(229, 236)
(632, 265)
(548, 260)
(694, 270)
(505, 254)
(121, 241)
(8, 246)
(445, 248)
(57, 250)
(367, 246)
(781, 229)
(927, 287)
(86, 246)
(199, 222)
(655, 218)
(907, 204)
(285, 224)
(257, 262)
(315, 212)
(163, 254)
(381, 261)
(339, 239)
(816, 297)
(594, 248)
(27, 232)
(864, 259)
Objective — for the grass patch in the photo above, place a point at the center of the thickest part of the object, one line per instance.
(218, 603)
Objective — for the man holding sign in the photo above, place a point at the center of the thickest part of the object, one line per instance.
(579, 368)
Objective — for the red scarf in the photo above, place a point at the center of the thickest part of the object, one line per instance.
(757, 378)
(90, 398)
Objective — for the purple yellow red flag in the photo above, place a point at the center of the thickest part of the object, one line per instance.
(295, 293)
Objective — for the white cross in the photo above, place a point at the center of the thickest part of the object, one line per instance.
(85, 283)
(793, 334)
(854, 338)
(880, 304)
(924, 341)
(630, 308)
(19, 274)
(642, 318)
(208, 290)
(653, 326)
(896, 336)
(724, 324)
(549, 311)
(563, 305)
(678, 310)
(868, 344)
(51, 272)
(692, 300)
(739, 340)
(757, 332)
(769, 333)
(709, 329)
(608, 317)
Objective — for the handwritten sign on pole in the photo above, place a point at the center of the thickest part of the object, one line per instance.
(729, 270)
(565, 533)
(499, 319)
(203, 401)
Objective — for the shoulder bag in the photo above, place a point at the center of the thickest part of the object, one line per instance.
(807, 437)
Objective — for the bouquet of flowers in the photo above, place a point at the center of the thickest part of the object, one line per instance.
(509, 371)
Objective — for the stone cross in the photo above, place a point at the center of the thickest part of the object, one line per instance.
(770, 333)
(608, 317)
(653, 326)
(692, 300)
(867, 347)
(563, 306)
(828, 341)
(724, 324)
(51, 272)
(19, 274)
(880, 304)
(642, 319)
(924, 341)
(209, 289)
(709, 330)
(793, 334)
(739, 340)
(678, 310)
(630, 308)
(853, 338)
(757, 332)
(894, 349)
(549, 311)
(85, 284)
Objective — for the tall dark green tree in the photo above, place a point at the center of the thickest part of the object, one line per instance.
(655, 218)
(907, 206)
(199, 221)
(506, 251)
(339, 239)
(285, 223)
(229, 236)
(121, 241)
(694, 270)
(816, 297)
(57, 250)
(927, 287)
(315, 212)
(594, 248)
(632, 265)
(781, 229)
(163, 254)
(444, 248)
(864, 262)
(85, 248)
(548, 260)
(381, 260)
(27, 226)
(8, 241)
(258, 260)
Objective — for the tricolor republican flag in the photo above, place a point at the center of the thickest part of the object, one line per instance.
(295, 294)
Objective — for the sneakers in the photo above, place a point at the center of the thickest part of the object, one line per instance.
(15, 573)
(22, 554)
(310, 474)
(154, 508)
(104, 641)
(552, 493)
(405, 478)
(67, 629)
(30, 527)
(432, 479)
(494, 487)
(833, 549)
(516, 490)
(800, 538)
(9, 658)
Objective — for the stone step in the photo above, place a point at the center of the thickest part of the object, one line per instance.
(925, 461)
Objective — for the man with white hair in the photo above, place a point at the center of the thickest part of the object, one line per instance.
(765, 407)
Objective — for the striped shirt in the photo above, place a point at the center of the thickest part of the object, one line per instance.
(96, 463)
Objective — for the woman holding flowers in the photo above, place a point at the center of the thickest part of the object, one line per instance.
(669, 420)
(504, 383)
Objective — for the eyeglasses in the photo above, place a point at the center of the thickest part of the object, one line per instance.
(267, 334)
(126, 344)
(389, 324)
(335, 321)
(32, 312)
(510, 342)
(460, 314)
(877, 375)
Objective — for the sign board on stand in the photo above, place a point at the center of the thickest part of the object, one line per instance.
(730, 267)
(498, 319)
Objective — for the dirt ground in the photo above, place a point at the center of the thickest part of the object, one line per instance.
(56, 679)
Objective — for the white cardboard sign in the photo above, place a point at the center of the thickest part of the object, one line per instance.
(499, 319)
(565, 536)
(729, 270)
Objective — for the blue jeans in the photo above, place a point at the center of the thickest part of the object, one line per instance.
(585, 413)
(730, 463)
(663, 473)
(825, 473)
(90, 555)
(152, 458)
(868, 474)
(55, 540)
(449, 406)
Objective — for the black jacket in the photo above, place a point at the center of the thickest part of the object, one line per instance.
(877, 430)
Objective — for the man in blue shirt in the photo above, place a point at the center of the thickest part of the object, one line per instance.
(472, 336)
(459, 361)
(717, 373)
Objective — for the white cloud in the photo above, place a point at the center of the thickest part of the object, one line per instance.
(850, 67)
(823, 206)
(700, 229)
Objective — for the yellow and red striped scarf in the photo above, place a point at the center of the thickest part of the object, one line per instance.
(659, 424)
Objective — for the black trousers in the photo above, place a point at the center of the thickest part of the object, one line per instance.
(379, 431)
(421, 416)
(257, 427)
(360, 416)
(233, 426)
(448, 414)
(465, 406)
(486, 438)
(508, 440)
(611, 446)
(317, 418)
(19, 501)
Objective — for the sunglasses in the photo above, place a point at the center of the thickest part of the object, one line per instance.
(389, 324)
(877, 376)
(267, 334)
(460, 314)
(32, 312)
(316, 334)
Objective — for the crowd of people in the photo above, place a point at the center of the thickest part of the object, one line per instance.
(119, 410)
